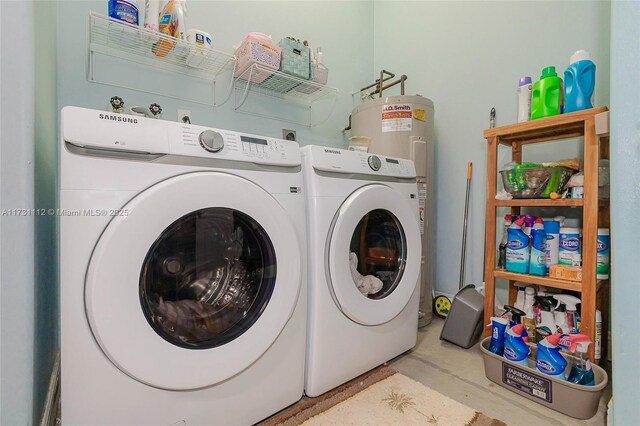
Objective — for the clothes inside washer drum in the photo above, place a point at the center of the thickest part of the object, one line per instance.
(368, 284)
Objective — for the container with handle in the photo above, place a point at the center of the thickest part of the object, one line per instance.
(463, 325)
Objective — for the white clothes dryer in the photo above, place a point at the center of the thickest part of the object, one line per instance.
(362, 210)
(183, 289)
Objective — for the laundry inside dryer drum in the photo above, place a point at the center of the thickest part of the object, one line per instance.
(207, 278)
(381, 249)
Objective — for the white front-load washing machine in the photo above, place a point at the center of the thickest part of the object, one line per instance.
(183, 294)
(364, 263)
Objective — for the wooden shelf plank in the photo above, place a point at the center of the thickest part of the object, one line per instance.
(540, 202)
(535, 279)
(544, 129)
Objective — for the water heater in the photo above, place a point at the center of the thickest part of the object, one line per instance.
(402, 126)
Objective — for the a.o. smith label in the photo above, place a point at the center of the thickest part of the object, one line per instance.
(396, 118)
(526, 382)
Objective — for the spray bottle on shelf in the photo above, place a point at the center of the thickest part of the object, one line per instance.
(517, 248)
(498, 327)
(538, 262)
(581, 371)
(545, 323)
(519, 303)
(502, 248)
(560, 316)
(524, 99)
(549, 359)
(572, 310)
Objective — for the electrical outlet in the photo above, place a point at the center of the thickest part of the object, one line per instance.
(184, 116)
(288, 134)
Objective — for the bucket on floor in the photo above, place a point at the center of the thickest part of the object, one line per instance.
(568, 398)
(463, 325)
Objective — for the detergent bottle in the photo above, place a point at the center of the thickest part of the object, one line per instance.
(581, 372)
(498, 327)
(549, 360)
(524, 99)
(545, 323)
(579, 82)
(517, 248)
(547, 95)
(538, 262)
(515, 348)
(571, 303)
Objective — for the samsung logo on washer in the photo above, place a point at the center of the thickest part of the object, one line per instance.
(332, 151)
(118, 118)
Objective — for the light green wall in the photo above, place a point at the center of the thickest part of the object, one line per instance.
(344, 30)
(625, 201)
(45, 158)
(467, 57)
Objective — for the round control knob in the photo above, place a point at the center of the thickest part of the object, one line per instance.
(211, 141)
(374, 163)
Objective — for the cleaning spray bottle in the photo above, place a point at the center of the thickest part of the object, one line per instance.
(549, 360)
(538, 262)
(498, 327)
(545, 323)
(581, 371)
(560, 316)
(517, 248)
(502, 247)
(519, 303)
(515, 348)
(572, 310)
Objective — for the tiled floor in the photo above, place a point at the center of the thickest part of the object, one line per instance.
(459, 374)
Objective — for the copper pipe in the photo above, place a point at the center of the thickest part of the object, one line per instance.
(377, 82)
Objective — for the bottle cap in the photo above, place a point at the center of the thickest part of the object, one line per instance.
(524, 81)
(580, 55)
(549, 72)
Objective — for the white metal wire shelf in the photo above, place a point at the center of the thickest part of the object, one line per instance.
(260, 80)
(114, 38)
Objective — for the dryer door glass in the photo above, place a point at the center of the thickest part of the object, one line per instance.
(378, 254)
(207, 278)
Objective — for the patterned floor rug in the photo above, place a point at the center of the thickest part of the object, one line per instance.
(381, 397)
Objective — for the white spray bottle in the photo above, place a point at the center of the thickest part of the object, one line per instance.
(572, 311)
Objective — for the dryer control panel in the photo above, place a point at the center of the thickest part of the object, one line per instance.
(95, 129)
(343, 161)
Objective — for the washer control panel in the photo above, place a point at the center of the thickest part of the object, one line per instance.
(344, 161)
(197, 141)
(124, 133)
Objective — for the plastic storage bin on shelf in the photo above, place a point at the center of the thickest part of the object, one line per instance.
(257, 48)
(296, 58)
(573, 400)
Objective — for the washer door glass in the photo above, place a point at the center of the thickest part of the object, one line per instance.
(373, 254)
(378, 253)
(207, 278)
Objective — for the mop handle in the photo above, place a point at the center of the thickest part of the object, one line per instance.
(464, 228)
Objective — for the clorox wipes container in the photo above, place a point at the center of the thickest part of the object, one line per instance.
(570, 250)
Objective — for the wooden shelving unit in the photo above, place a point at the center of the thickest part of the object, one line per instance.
(592, 125)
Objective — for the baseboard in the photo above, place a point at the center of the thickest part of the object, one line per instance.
(49, 414)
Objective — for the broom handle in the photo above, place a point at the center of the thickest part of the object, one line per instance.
(464, 227)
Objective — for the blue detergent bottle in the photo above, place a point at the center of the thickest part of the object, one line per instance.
(549, 360)
(538, 262)
(517, 248)
(579, 82)
(515, 348)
